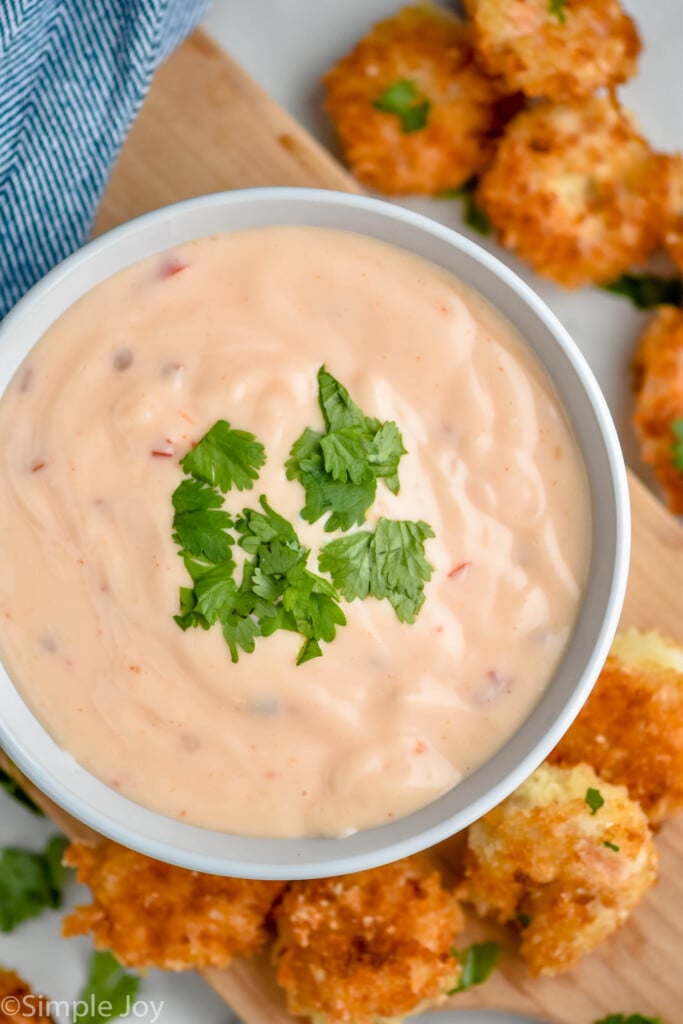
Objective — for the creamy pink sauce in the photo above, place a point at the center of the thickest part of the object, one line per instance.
(236, 327)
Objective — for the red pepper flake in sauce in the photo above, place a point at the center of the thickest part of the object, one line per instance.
(37, 466)
(165, 450)
(420, 747)
(460, 571)
(172, 265)
(26, 380)
(123, 358)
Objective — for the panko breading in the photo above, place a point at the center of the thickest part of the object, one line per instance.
(151, 914)
(673, 229)
(658, 368)
(18, 1004)
(560, 55)
(577, 191)
(430, 51)
(631, 729)
(541, 859)
(369, 946)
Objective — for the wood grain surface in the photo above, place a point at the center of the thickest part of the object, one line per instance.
(206, 127)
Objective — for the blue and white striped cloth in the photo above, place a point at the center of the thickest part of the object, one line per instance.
(73, 75)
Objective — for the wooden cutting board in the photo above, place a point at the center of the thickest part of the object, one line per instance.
(206, 127)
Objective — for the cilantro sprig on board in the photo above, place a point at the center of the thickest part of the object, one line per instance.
(339, 468)
(401, 98)
(108, 992)
(30, 882)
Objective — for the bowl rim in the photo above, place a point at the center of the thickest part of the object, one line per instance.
(310, 857)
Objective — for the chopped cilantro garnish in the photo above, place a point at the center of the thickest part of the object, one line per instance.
(477, 963)
(401, 99)
(473, 215)
(225, 458)
(30, 882)
(611, 846)
(633, 1018)
(646, 291)
(13, 789)
(387, 563)
(557, 9)
(523, 920)
(594, 799)
(108, 992)
(677, 446)
(339, 468)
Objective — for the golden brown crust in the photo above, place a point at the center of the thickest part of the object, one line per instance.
(631, 728)
(596, 45)
(151, 914)
(673, 230)
(371, 945)
(576, 191)
(433, 50)
(18, 1004)
(658, 366)
(540, 860)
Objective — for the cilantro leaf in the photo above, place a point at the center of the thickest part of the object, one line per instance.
(216, 592)
(13, 789)
(349, 561)
(338, 408)
(340, 468)
(633, 1018)
(401, 568)
(225, 458)
(202, 533)
(189, 616)
(240, 631)
(389, 563)
(108, 992)
(611, 846)
(557, 9)
(677, 446)
(194, 496)
(473, 215)
(594, 799)
(401, 99)
(477, 963)
(30, 882)
(647, 291)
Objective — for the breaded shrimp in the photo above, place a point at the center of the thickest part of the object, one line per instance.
(564, 867)
(18, 1004)
(151, 914)
(673, 228)
(576, 191)
(369, 946)
(658, 413)
(419, 62)
(557, 49)
(631, 729)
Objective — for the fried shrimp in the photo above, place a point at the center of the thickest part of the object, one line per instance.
(369, 946)
(658, 414)
(631, 729)
(557, 49)
(576, 191)
(673, 230)
(566, 858)
(151, 914)
(413, 111)
(18, 1004)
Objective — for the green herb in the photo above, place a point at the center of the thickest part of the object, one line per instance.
(594, 799)
(557, 9)
(646, 291)
(30, 882)
(387, 563)
(225, 458)
(13, 789)
(401, 98)
(611, 846)
(477, 964)
(634, 1018)
(677, 446)
(339, 468)
(109, 991)
(473, 215)
(523, 920)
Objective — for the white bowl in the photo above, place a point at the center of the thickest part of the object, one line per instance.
(56, 772)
